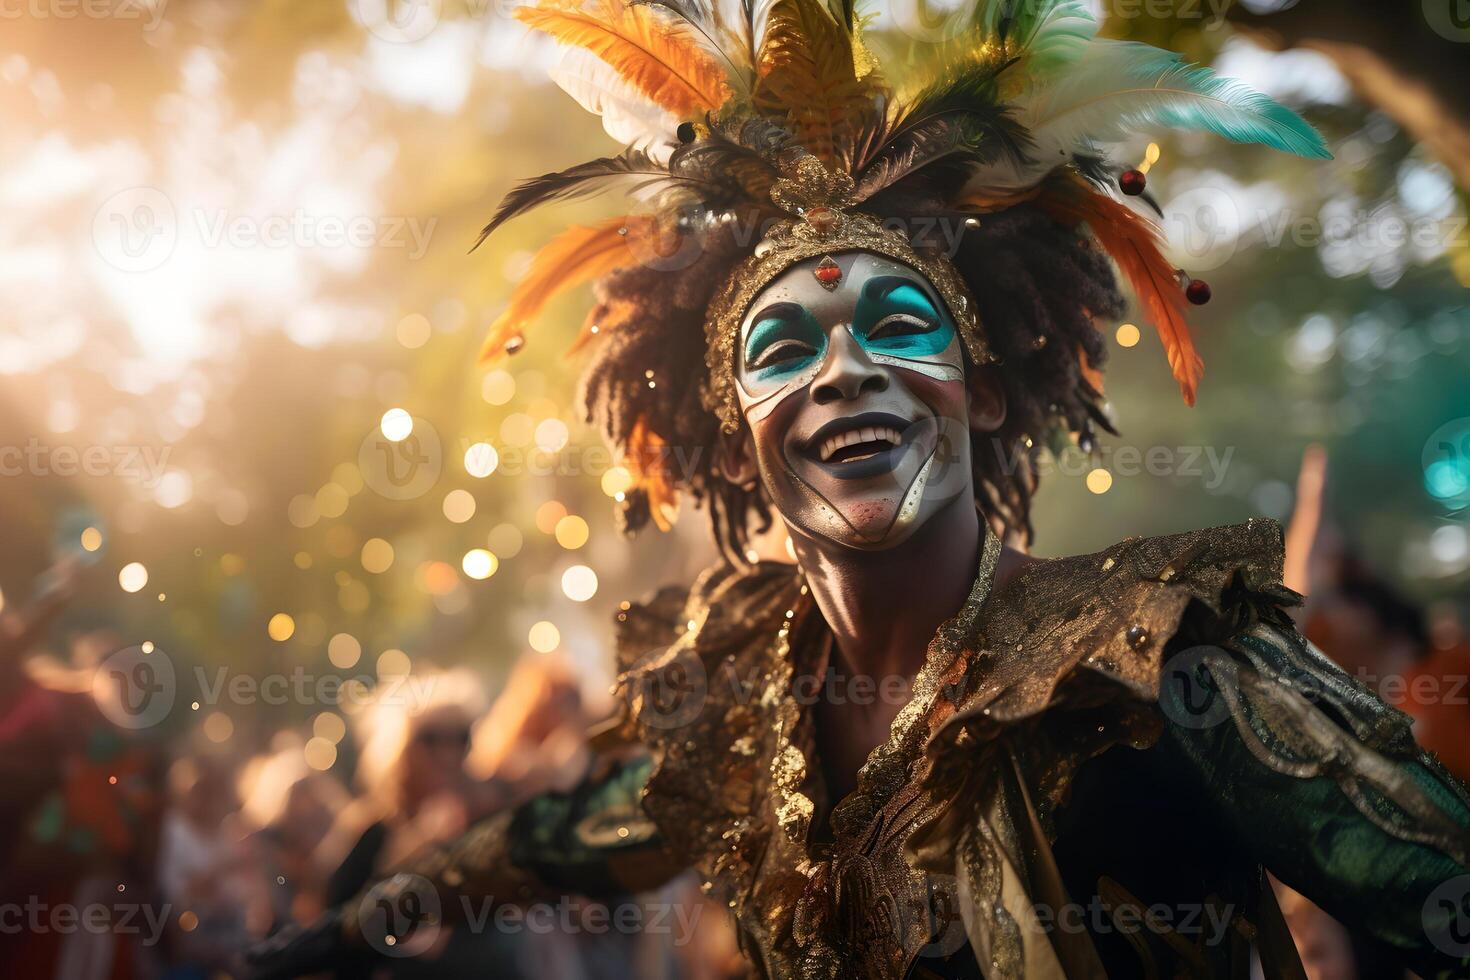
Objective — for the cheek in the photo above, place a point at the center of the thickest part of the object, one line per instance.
(946, 399)
(769, 423)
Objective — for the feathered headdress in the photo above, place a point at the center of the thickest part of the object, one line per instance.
(719, 101)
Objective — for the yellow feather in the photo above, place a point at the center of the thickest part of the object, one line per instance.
(659, 58)
(577, 255)
(816, 73)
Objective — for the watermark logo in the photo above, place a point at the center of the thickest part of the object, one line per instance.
(1446, 462)
(397, 21)
(1450, 19)
(1446, 917)
(136, 230)
(401, 916)
(1205, 224)
(671, 695)
(405, 468)
(135, 687)
(1188, 694)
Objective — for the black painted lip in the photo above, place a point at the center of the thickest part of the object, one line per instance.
(876, 465)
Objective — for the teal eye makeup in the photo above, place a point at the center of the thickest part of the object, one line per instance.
(783, 339)
(897, 317)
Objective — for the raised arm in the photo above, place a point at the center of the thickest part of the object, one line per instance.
(1325, 784)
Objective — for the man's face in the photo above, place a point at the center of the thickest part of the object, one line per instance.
(856, 400)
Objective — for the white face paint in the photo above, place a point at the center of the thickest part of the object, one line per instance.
(855, 394)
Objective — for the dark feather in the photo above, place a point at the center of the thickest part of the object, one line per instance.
(720, 159)
(963, 138)
(969, 88)
(633, 166)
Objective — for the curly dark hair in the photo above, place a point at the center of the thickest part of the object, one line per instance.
(1038, 285)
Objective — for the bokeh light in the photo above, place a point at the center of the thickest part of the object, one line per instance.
(544, 637)
(479, 564)
(344, 651)
(481, 459)
(281, 627)
(579, 583)
(133, 577)
(396, 425)
(459, 506)
(377, 556)
(572, 532)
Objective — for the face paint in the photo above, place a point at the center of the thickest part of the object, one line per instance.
(898, 323)
(854, 392)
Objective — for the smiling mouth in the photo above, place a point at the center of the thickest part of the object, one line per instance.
(856, 445)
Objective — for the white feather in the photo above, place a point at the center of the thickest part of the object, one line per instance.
(627, 114)
(1116, 89)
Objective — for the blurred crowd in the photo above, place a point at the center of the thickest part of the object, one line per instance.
(192, 849)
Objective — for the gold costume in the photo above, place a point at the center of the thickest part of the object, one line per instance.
(949, 839)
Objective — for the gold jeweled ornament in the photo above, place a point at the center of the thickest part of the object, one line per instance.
(822, 225)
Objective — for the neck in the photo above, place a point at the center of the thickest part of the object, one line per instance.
(884, 607)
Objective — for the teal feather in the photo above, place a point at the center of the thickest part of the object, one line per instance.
(1119, 88)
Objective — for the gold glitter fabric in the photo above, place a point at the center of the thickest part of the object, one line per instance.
(964, 826)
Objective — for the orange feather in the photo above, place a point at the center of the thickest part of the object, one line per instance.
(1133, 242)
(577, 255)
(818, 74)
(648, 462)
(659, 58)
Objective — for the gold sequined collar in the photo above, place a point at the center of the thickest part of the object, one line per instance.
(907, 736)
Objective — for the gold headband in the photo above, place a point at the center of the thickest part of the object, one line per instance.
(825, 229)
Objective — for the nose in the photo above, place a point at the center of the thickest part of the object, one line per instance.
(847, 372)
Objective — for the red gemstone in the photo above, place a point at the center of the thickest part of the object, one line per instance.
(1132, 182)
(828, 273)
(1197, 292)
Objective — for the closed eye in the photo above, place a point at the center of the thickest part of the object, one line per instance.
(901, 325)
(782, 352)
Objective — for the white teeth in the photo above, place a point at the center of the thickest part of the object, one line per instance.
(854, 436)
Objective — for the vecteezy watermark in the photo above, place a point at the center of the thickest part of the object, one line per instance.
(1210, 222)
(148, 12)
(302, 687)
(1208, 464)
(142, 464)
(403, 916)
(403, 468)
(569, 915)
(1450, 19)
(937, 21)
(1100, 917)
(37, 917)
(1446, 462)
(137, 687)
(1446, 916)
(1188, 693)
(138, 229)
